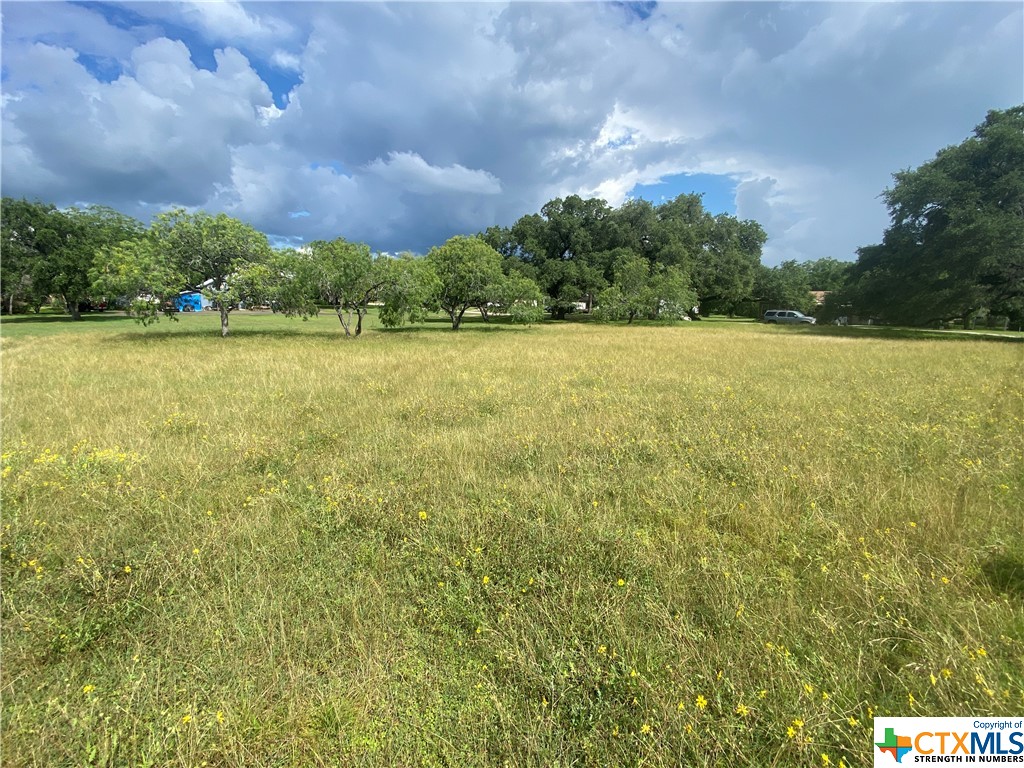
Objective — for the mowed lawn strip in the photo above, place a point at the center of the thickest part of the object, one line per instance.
(571, 544)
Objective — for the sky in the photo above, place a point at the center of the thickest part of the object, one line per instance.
(402, 124)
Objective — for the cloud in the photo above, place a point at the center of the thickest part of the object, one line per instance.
(161, 133)
(285, 60)
(410, 172)
(77, 27)
(229, 20)
(404, 124)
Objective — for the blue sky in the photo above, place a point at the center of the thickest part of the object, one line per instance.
(402, 124)
(718, 192)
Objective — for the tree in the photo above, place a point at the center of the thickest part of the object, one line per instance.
(827, 274)
(955, 244)
(629, 295)
(22, 231)
(469, 274)
(212, 253)
(91, 229)
(340, 273)
(560, 245)
(572, 245)
(674, 297)
(784, 287)
(636, 226)
(640, 289)
(138, 271)
(726, 264)
(52, 250)
(520, 298)
(407, 290)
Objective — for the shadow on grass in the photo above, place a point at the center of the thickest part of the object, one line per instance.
(469, 325)
(88, 318)
(146, 336)
(903, 334)
(168, 332)
(1005, 574)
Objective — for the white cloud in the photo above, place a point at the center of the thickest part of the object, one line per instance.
(285, 60)
(229, 20)
(410, 172)
(445, 118)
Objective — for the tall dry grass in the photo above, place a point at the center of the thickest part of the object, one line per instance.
(567, 544)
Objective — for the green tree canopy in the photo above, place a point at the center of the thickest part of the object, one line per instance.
(26, 230)
(786, 286)
(726, 265)
(955, 244)
(642, 289)
(408, 289)
(572, 247)
(51, 251)
(209, 251)
(827, 274)
(469, 274)
(341, 274)
(225, 258)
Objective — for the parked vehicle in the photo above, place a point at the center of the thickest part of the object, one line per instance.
(787, 316)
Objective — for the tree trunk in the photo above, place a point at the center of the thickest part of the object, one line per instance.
(341, 318)
(483, 313)
(223, 321)
(359, 321)
(73, 309)
(457, 319)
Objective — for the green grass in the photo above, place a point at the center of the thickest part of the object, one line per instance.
(571, 544)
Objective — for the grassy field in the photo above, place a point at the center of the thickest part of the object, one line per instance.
(571, 544)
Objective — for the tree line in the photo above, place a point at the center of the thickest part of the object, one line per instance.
(953, 250)
(636, 261)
